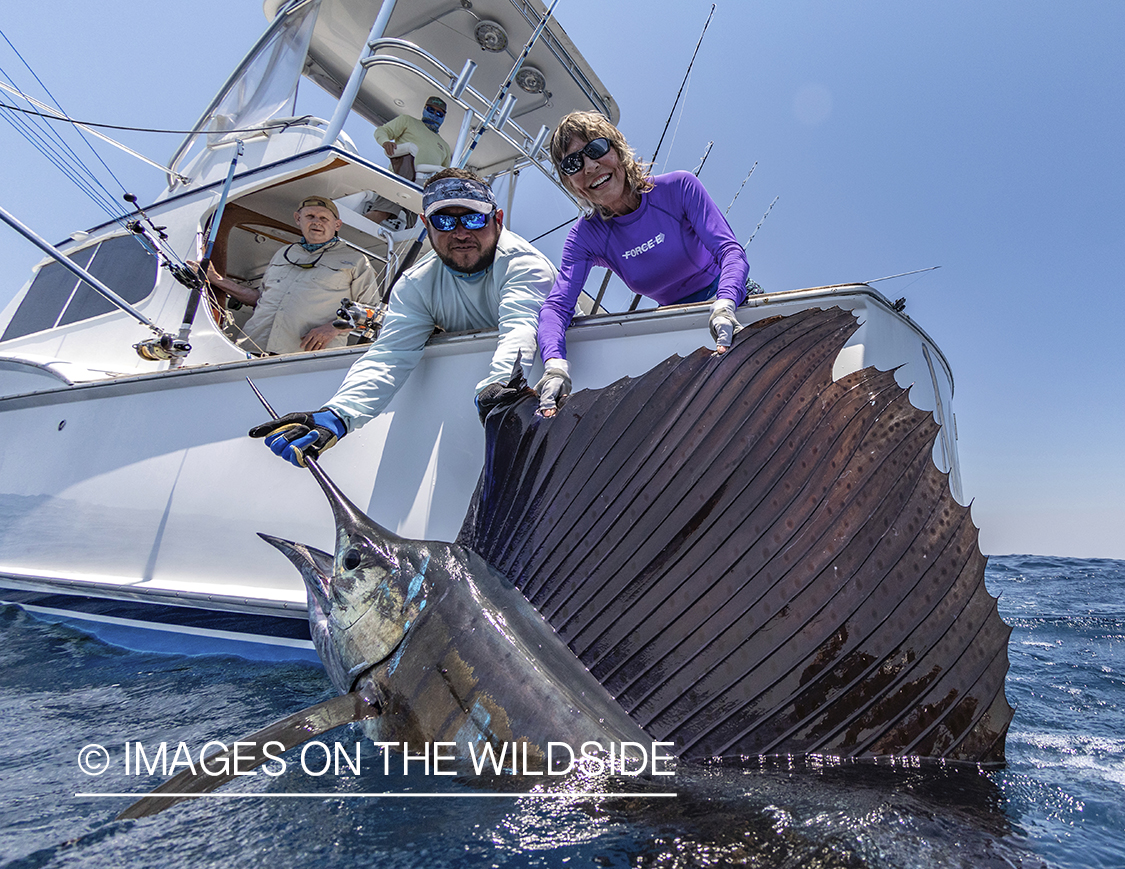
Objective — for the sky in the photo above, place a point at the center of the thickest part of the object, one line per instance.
(981, 136)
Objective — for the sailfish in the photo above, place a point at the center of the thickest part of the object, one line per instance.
(735, 555)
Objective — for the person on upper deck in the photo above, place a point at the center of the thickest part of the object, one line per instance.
(415, 148)
(303, 285)
(662, 235)
(479, 276)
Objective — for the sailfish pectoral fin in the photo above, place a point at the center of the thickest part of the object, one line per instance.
(278, 737)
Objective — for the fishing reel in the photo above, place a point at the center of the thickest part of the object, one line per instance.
(162, 348)
(190, 278)
(364, 322)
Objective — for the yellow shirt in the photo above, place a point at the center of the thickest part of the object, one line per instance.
(432, 148)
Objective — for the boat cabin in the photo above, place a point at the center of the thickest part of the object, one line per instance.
(376, 61)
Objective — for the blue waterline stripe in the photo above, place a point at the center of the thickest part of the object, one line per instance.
(235, 636)
(164, 616)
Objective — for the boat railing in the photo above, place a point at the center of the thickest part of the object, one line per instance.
(444, 80)
(521, 147)
(532, 16)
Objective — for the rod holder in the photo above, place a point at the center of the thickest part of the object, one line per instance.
(462, 82)
(505, 112)
(540, 139)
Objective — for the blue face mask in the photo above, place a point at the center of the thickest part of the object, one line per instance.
(431, 118)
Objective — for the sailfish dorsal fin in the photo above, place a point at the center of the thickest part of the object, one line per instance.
(752, 557)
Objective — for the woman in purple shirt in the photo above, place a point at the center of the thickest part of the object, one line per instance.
(662, 235)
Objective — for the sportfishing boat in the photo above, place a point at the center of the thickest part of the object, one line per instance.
(130, 496)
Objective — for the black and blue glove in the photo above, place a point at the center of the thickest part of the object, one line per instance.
(297, 436)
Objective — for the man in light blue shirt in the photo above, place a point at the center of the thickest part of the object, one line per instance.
(480, 276)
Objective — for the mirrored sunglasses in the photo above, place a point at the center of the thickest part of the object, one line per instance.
(472, 220)
(571, 163)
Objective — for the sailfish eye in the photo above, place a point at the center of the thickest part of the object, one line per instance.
(352, 559)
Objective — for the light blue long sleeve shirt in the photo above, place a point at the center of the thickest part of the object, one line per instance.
(507, 295)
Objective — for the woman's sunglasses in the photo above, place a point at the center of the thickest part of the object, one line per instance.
(472, 220)
(571, 163)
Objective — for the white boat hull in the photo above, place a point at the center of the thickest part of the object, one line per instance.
(146, 491)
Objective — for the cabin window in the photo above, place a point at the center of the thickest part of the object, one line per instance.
(57, 297)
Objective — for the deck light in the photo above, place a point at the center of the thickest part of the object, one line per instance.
(491, 36)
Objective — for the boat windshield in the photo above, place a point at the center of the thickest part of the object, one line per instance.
(265, 82)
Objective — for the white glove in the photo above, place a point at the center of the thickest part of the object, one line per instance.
(723, 323)
(553, 386)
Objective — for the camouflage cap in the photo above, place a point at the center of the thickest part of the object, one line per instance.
(464, 192)
(313, 201)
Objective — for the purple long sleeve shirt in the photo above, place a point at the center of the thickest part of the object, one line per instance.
(674, 245)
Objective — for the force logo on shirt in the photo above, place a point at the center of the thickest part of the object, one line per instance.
(647, 246)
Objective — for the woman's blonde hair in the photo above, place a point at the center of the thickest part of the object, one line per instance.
(590, 126)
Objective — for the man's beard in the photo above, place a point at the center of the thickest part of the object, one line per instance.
(483, 262)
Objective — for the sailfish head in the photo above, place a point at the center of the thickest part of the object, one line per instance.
(364, 598)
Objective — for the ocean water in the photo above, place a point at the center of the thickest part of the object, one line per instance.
(1060, 801)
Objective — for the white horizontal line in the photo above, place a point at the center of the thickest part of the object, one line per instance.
(409, 795)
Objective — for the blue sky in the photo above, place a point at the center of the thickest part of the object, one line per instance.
(984, 137)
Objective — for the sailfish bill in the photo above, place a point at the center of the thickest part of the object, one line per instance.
(427, 643)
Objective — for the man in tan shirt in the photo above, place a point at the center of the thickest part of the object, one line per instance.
(303, 285)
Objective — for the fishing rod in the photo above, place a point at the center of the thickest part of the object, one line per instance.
(637, 296)
(740, 186)
(706, 154)
(463, 160)
(566, 222)
(77, 270)
(157, 241)
(135, 225)
(657, 151)
(605, 281)
(684, 82)
(503, 92)
(901, 275)
(180, 347)
(760, 222)
(218, 216)
(751, 286)
(310, 462)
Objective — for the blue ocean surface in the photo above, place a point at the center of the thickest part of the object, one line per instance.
(1059, 802)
